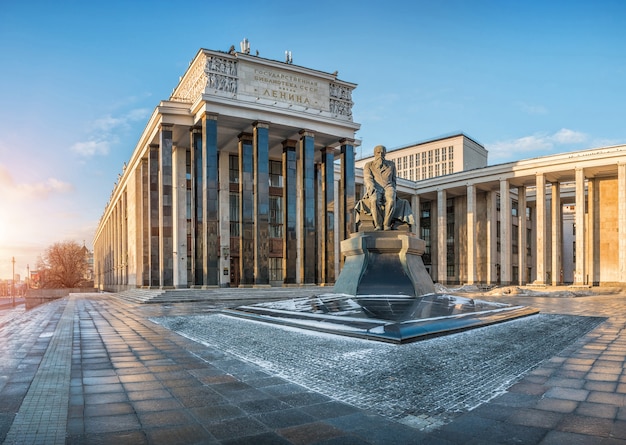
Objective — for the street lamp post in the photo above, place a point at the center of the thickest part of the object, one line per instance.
(13, 282)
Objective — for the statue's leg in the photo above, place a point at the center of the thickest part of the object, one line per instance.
(390, 206)
(375, 207)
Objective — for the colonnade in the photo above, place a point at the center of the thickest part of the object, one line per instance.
(180, 230)
(491, 241)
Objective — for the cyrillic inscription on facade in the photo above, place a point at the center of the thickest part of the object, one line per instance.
(268, 83)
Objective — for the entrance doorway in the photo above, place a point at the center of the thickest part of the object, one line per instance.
(234, 272)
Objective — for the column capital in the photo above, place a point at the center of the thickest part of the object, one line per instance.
(289, 143)
(346, 141)
(153, 146)
(245, 137)
(305, 133)
(164, 126)
(209, 116)
(195, 129)
(327, 149)
(261, 124)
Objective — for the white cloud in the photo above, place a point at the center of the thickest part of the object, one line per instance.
(105, 131)
(9, 188)
(538, 144)
(91, 148)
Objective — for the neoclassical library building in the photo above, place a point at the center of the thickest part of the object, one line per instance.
(246, 176)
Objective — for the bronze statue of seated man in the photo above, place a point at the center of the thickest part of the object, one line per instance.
(380, 200)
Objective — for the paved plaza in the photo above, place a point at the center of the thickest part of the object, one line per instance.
(100, 369)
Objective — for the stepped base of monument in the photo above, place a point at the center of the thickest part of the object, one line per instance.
(387, 318)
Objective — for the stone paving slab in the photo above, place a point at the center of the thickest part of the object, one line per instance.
(131, 382)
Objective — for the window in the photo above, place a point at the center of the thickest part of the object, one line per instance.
(276, 217)
(450, 270)
(514, 209)
(450, 153)
(417, 160)
(423, 158)
(514, 240)
(443, 169)
(450, 167)
(410, 161)
(425, 230)
(443, 154)
(233, 169)
(275, 269)
(436, 155)
(276, 174)
(498, 236)
(436, 169)
(233, 211)
(430, 156)
(430, 171)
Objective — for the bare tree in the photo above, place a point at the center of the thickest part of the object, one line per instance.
(63, 265)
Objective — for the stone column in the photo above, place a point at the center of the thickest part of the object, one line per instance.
(153, 206)
(492, 236)
(124, 238)
(327, 231)
(210, 188)
(197, 207)
(415, 207)
(471, 234)
(261, 202)
(308, 257)
(557, 224)
(592, 253)
(580, 277)
(442, 238)
(224, 212)
(166, 243)
(505, 233)
(522, 228)
(290, 245)
(179, 204)
(347, 193)
(144, 206)
(621, 193)
(246, 211)
(540, 211)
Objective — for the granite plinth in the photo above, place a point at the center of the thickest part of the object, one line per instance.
(384, 263)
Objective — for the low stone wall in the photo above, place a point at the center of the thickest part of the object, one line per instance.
(35, 297)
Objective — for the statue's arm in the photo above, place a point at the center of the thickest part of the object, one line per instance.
(368, 180)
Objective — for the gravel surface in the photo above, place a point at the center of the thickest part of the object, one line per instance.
(434, 379)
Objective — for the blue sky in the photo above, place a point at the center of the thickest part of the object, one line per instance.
(79, 79)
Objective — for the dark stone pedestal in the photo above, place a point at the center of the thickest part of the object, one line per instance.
(384, 263)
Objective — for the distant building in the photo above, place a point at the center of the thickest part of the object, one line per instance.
(435, 157)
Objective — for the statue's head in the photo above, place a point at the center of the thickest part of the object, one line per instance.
(380, 151)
